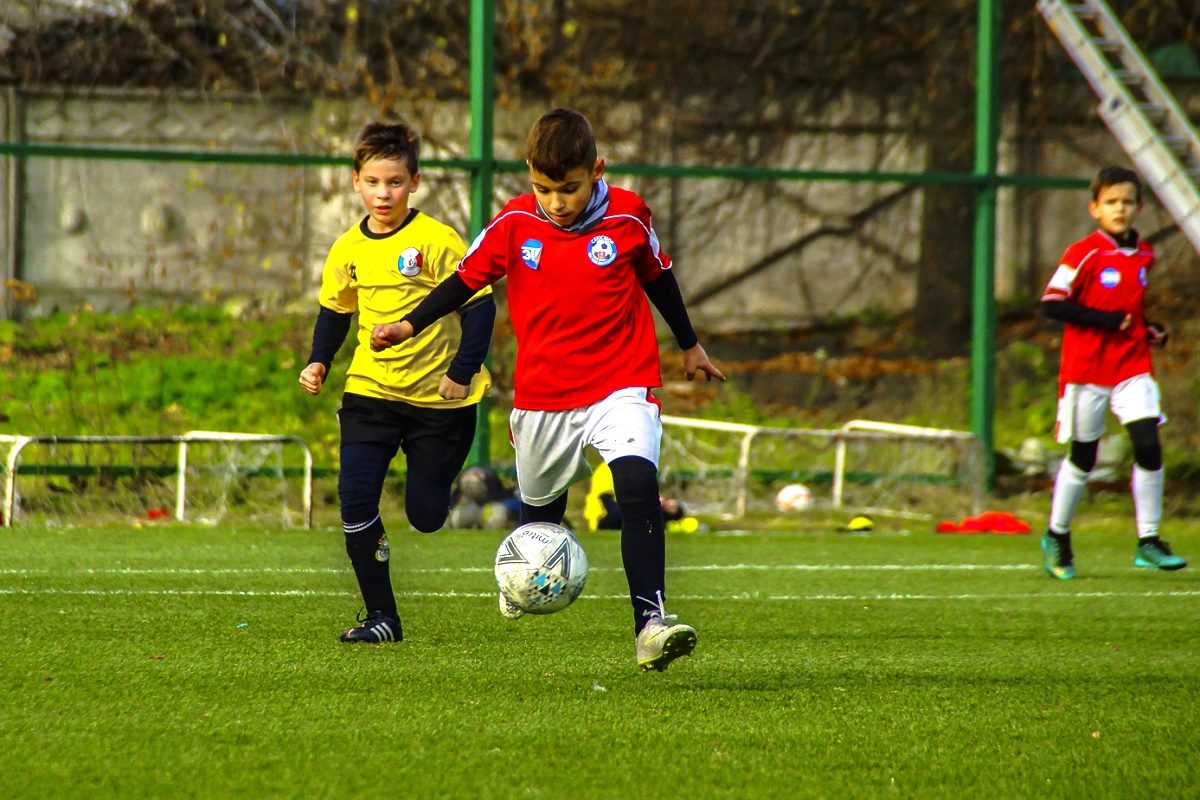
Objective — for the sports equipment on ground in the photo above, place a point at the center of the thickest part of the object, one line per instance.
(866, 467)
(200, 476)
(662, 641)
(375, 628)
(1059, 560)
(478, 484)
(541, 568)
(465, 514)
(860, 524)
(1154, 552)
(794, 497)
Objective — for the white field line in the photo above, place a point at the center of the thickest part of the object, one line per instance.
(742, 597)
(752, 597)
(488, 570)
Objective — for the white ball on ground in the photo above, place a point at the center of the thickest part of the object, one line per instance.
(794, 497)
(541, 568)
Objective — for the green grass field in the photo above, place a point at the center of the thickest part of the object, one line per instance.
(180, 661)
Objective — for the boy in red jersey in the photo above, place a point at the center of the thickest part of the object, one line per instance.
(581, 259)
(1098, 292)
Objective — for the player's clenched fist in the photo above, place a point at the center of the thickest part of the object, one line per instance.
(312, 377)
(386, 334)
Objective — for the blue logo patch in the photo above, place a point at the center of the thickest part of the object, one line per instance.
(602, 251)
(1109, 277)
(531, 253)
(1142, 276)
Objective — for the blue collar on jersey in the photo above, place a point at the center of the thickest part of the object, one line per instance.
(595, 210)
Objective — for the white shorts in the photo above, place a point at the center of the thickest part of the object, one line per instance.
(550, 444)
(1082, 407)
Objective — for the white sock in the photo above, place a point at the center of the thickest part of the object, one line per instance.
(1068, 489)
(1147, 488)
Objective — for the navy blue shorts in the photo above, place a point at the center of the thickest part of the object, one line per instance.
(435, 441)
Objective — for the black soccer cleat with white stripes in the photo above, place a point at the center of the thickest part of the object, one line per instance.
(376, 628)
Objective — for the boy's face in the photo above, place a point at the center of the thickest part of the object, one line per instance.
(1115, 208)
(563, 201)
(385, 185)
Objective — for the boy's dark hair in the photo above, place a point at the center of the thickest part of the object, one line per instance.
(392, 141)
(560, 141)
(1111, 176)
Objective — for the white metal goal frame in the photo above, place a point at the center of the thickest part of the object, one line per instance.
(19, 443)
(854, 430)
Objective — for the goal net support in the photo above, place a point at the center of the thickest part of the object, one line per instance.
(203, 475)
(735, 470)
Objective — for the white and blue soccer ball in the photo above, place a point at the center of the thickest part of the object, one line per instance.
(541, 568)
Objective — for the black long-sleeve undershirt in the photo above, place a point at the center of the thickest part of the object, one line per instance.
(445, 297)
(665, 295)
(477, 319)
(663, 292)
(1076, 314)
(329, 333)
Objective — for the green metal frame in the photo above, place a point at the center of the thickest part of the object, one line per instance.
(983, 269)
(483, 94)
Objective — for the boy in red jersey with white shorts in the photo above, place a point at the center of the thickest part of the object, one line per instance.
(1098, 292)
(581, 259)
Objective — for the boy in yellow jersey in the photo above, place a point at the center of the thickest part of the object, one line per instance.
(419, 398)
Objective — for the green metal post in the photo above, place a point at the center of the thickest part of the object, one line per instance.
(983, 300)
(483, 93)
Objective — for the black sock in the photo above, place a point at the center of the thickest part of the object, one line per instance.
(369, 554)
(643, 543)
(551, 512)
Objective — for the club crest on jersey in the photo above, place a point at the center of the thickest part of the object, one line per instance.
(410, 262)
(1109, 277)
(531, 253)
(602, 251)
(1142, 276)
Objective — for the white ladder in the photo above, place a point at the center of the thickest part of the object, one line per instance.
(1135, 105)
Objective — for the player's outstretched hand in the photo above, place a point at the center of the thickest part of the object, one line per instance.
(453, 390)
(386, 334)
(1156, 335)
(312, 377)
(695, 361)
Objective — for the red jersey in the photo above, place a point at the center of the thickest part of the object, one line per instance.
(581, 318)
(1097, 273)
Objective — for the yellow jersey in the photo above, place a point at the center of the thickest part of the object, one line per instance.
(383, 277)
(593, 506)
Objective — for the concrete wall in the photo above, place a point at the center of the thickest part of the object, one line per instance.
(108, 234)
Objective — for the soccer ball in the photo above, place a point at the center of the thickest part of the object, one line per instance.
(541, 568)
(794, 497)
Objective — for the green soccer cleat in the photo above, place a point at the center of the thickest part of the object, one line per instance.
(1154, 552)
(662, 641)
(1059, 560)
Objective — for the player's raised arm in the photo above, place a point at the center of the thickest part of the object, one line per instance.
(449, 295)
(1077, 314)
